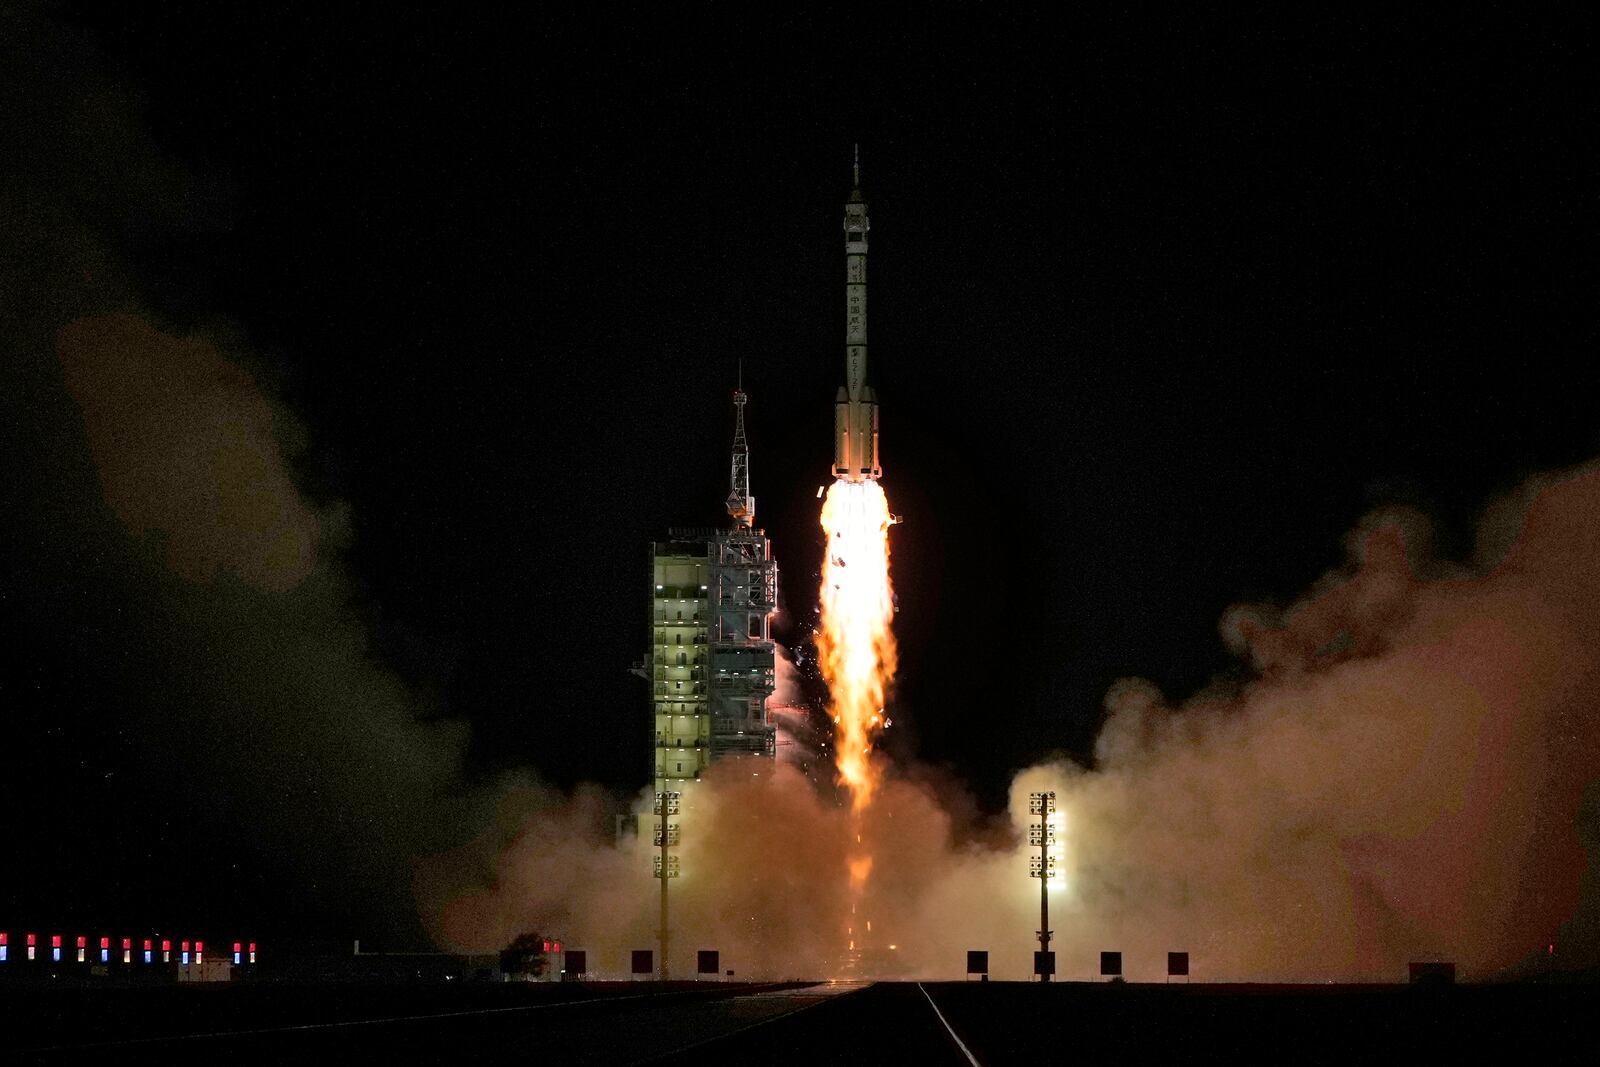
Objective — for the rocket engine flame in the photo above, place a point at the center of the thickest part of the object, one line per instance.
(855, 643)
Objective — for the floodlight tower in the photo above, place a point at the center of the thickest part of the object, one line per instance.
(666, 838)
(1043, 867)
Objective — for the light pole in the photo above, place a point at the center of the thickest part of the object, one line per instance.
(1043, 867)
(666, 865)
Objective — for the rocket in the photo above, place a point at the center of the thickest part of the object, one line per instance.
(855, 411)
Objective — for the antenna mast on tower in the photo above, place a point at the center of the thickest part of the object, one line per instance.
(741, 505)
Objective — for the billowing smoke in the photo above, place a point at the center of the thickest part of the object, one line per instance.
(272, 691)
(152, 503)
(1403, 779)
(802, 734)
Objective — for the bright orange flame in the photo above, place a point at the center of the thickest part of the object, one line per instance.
(855, 643)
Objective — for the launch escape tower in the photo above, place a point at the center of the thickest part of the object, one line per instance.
(711, 662)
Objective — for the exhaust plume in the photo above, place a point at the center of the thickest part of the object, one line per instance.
(855, 643)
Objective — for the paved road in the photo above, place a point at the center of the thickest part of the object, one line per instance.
(877, 1026)
(937, 1025)
(968, 1024)
(643, 1029)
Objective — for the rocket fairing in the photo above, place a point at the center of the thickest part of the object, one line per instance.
(855, 412)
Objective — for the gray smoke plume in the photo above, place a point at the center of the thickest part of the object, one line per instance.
(150, 480)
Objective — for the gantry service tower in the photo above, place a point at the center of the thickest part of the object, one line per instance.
(711, 661)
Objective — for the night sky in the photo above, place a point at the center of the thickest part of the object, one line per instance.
(1158, 313)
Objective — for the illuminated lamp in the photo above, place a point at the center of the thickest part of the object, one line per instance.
(105, 950)
(185, 956)
(236, 954)
(199, 951)
(55, 947)
(33, 943)
(4, 948)
(252, 952)
(147, 950)
(166, 951)
(83, 947)
(127, 950)
(558, 946)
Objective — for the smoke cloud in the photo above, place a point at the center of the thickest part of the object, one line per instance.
(152, 505)
(185, 447)
(1402, 779)
(253, 660)
(802, 734)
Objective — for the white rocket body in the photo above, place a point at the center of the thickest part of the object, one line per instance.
(855, 413)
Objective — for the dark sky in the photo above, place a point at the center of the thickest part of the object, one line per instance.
(1158, 312)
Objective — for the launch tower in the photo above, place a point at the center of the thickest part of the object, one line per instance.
(711, 664)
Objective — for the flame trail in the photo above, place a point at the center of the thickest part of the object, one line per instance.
(855, 644)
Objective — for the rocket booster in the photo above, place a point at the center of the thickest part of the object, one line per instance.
(855, 412)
